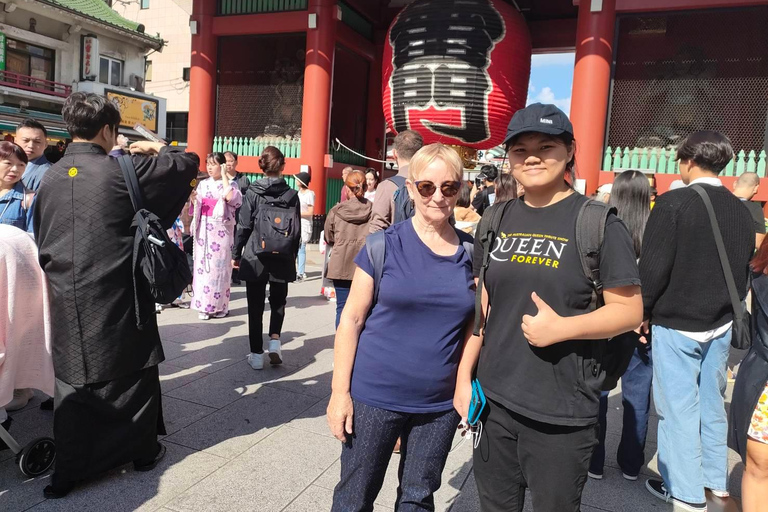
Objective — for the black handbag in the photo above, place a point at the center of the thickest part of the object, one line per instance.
(741, 334)
(161, 266)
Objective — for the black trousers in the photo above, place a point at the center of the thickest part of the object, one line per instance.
(101, 426)
(516, 453)
(255, 293)
(425, 443)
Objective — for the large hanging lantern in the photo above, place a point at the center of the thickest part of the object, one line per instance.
(456, 70)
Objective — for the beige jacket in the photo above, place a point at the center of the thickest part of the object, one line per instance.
(345, 230)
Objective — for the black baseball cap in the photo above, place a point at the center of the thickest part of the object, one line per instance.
(539, 118)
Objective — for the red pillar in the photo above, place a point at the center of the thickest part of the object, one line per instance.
(375, 140)
(202, 81)
(316, 109)
(591, 82)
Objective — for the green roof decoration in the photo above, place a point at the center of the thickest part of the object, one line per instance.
(99, 10)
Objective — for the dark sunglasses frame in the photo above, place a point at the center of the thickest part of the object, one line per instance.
(428, 188)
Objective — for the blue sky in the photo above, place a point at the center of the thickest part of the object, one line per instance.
(551, 79)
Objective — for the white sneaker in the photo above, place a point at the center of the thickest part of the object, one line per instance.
(275, 353)
(629, 477)
(203, 316)
(21, 398)
(256, 361)
(595, 476)
(723, 495)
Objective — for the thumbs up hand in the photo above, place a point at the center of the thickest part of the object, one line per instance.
(545, 328)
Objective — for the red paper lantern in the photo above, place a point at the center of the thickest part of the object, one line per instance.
(456, 70)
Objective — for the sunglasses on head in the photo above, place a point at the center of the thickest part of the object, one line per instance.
(428, 189)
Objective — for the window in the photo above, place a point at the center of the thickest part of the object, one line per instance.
(145, 4)
(176, 126)
(30, 60)
(110, 71)
(148, 71)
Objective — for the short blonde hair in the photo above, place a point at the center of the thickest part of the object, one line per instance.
(428, 154)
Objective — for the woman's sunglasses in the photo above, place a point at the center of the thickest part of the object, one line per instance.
(428, 189)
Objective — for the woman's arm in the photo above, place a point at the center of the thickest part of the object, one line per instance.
(469, 357)
(623, 312)
(340, 409)
(308, 209)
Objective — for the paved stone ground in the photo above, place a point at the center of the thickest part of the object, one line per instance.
(242, 440)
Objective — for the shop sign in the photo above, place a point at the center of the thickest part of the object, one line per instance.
(2, 51)
(90, 57)
(134, 109)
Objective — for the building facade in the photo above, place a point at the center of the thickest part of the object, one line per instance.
(167, 71)
(53, 48)
(301, 74)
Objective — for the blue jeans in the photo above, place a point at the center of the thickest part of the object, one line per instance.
(636, 400)
(302, 263)
(425, 443)
(689, 383)
(342, 293)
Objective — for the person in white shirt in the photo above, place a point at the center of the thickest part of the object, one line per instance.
(307, 200)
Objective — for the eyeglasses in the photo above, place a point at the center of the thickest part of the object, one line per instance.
(428, 189)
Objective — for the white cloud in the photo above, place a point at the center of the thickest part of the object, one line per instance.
(547, 96)
(553, 59)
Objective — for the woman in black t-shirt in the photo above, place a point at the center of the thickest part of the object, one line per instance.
(536, 363)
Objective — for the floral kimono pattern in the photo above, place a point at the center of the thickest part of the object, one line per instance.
(213, 228)
(758, 428)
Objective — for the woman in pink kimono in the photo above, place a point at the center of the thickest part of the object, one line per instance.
(213, 226)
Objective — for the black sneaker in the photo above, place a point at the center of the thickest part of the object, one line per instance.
(658, 489)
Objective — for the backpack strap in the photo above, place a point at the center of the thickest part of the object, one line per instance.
(590, 232)
(487, 230)
(398, 180)
(132, 181)
(376, 247)
(467, 242)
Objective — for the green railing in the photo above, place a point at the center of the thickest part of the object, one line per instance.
(662, 161)
(228, 7)
(253, 176)
(245, 146)
(332, 193)
(345, 156)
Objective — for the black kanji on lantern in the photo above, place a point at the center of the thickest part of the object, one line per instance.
(441, 53)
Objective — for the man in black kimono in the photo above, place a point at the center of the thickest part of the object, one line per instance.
(107, 396)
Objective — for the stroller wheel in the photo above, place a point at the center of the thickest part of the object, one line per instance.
(37, 457)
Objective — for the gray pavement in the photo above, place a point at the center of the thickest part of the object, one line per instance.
(245, 440)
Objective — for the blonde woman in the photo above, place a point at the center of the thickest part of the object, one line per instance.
(391, 383)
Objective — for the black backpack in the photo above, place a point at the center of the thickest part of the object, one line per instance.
(611, 357)
(277, 225)
(403, 208)
(162, 265)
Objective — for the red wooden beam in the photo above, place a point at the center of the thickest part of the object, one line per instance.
(356, 42)
(679, 5)
(367, 8)
(272, 23)
(548, 36)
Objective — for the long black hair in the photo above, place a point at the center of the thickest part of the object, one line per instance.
(631, 195)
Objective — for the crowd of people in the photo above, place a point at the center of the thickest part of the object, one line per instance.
(495, 307)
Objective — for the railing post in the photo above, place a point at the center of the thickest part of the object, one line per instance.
(761, 163)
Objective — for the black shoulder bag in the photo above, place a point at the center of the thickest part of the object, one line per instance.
(741, 336)
(162, 265)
